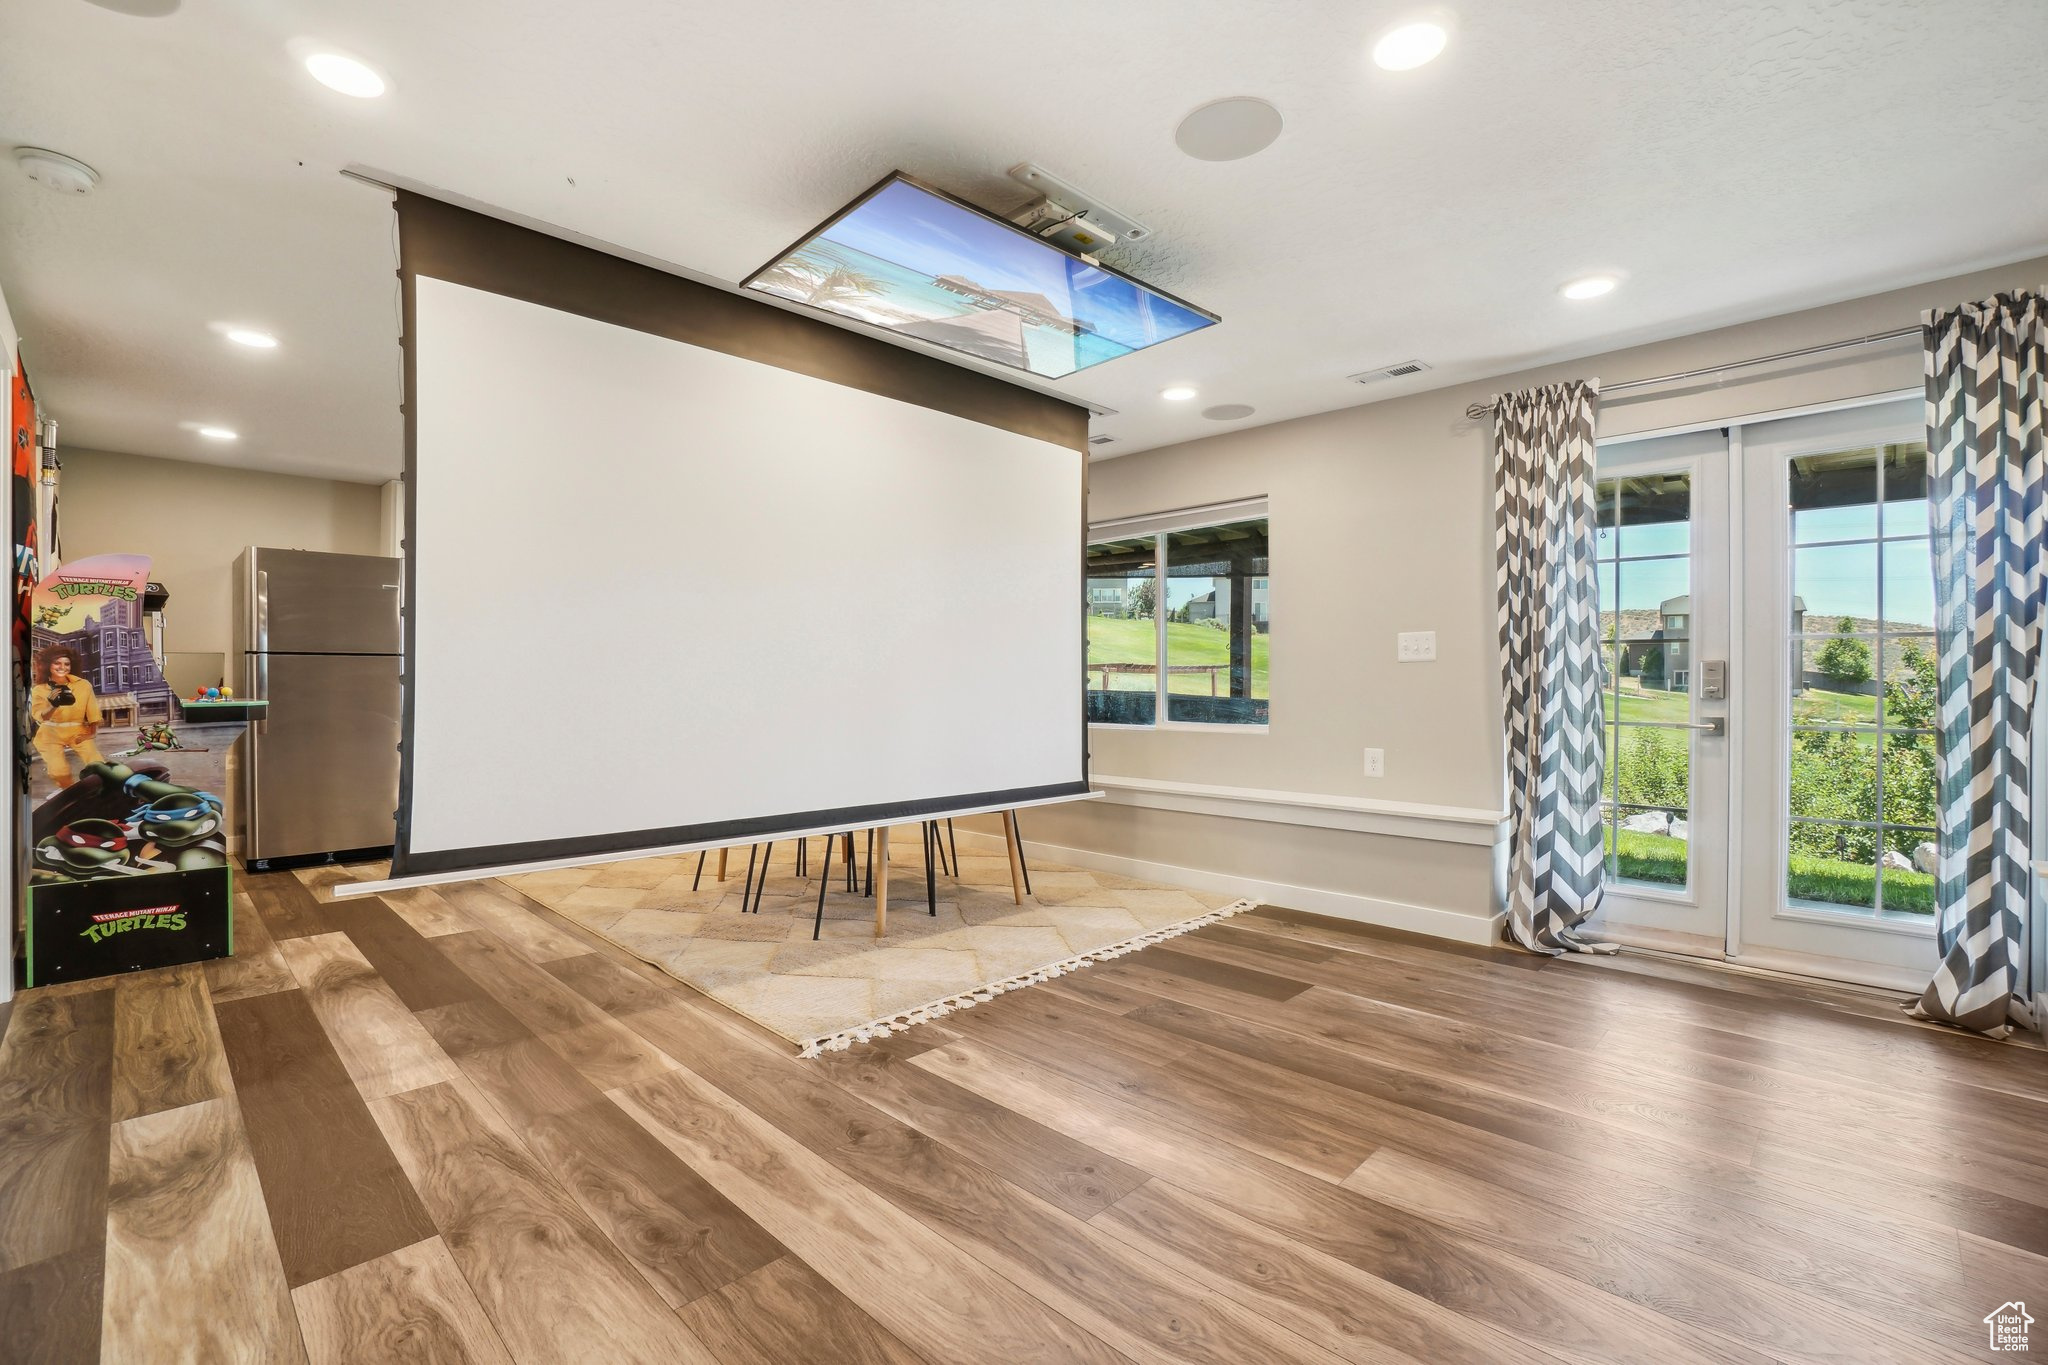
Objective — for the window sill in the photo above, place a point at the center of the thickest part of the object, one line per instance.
(1185, 727)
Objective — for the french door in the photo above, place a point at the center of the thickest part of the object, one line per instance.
(1766, 597)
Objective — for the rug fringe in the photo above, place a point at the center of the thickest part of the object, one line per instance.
(923, 1014)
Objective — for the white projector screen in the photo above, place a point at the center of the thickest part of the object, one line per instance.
(662, 593)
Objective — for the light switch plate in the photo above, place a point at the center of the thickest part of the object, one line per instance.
(1417, 646)
(1375, 762)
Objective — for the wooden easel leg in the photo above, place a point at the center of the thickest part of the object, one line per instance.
(721, 864)
(1010, 846)
(882, 883)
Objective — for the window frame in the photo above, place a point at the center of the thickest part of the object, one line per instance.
(1158, 526)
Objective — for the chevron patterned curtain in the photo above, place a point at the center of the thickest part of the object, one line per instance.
(1987, 403)
(1549, 661)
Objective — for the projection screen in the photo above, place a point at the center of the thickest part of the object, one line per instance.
(663, 594)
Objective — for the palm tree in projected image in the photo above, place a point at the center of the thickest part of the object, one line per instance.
(820, 283)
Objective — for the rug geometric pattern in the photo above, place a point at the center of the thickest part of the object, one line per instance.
(849, 984)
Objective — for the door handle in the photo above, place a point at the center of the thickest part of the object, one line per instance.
(262, 611)
(1713, 725)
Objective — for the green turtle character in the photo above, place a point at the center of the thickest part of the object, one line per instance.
(83, 851)
(186, 827)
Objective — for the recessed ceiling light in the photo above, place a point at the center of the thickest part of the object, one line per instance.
(1178, 393)
(345, 74)
(250, 337)
(1589, 286)
(1228, 130)
(219, 433)
(1409, 46)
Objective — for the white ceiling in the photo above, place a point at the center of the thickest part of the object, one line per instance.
(1735, 159)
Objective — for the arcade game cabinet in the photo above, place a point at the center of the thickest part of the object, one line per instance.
(128, 863)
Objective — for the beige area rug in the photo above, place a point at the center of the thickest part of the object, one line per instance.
(850, 986)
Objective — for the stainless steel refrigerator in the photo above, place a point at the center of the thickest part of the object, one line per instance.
(317, 636)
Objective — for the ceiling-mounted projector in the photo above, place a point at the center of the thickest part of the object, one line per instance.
(1069, 215)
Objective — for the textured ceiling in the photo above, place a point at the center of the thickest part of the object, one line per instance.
(1735, 160)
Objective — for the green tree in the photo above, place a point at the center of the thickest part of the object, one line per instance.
(1142, 598)
(1652, 769)
(1844, 660)
(1912, 786)
(1912, 692)
(1833, 777)
(1834, 772)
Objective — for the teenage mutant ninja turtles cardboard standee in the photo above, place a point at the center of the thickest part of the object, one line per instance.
(128, 864)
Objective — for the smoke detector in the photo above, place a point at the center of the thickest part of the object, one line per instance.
(56, 171)
(1400, 370)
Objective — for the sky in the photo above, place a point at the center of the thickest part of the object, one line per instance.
(928, 234)
(1836, 580)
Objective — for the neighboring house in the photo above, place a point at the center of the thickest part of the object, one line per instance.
(1663, 657)
(2008, 1324)
(1105, 599)
(1215, 604)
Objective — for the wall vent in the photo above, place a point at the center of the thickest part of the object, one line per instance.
(1100, 440)
(1399, 371)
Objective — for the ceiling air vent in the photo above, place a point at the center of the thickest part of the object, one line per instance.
(1100, 440)
(1400, 371)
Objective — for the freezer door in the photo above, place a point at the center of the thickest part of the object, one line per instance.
(309, 602)
(321, 767)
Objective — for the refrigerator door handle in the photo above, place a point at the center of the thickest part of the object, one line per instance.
(262, 615)
(256, 682)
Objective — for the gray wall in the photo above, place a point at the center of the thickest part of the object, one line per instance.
(1382, 522)
(193, 519)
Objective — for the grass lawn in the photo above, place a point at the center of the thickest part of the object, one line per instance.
(1661, 859)
(1112, 640)
(1811, 707)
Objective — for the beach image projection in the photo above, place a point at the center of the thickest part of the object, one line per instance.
(919, 264)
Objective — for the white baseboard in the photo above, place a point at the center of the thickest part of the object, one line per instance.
(1419, 919)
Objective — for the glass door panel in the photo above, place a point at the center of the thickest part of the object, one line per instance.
(1661, 579)
(1836, 798)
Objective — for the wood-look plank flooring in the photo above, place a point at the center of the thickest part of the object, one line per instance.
(450, 1126)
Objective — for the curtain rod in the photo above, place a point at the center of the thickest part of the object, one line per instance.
(1478, 410)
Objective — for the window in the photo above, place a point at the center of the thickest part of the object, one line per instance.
(1212, 628)
(1861, 788)
(1644, 564)
(1123, 640)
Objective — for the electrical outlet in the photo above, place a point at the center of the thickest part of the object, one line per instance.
(1375, 762)
(1416, 646)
